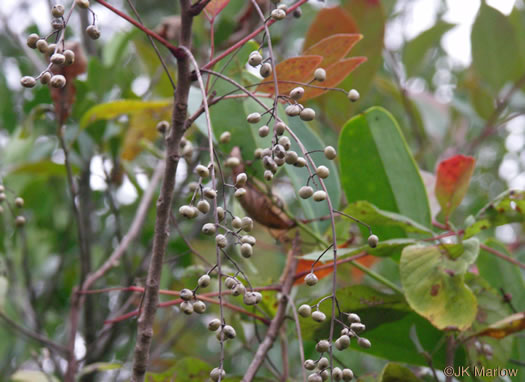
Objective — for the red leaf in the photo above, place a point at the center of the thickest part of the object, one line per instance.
(333, 48)
(329, 21)
(296, 69)
(215, 7)
(306, 266)
(453, 178)
(357, 274)
(335, 74)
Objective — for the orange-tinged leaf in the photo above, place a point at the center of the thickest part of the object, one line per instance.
(296, 69)
(357, 275)
(509, 325)
(329, 21)
(333, 48)
(215, 7)
(306, 266)
(335, 74)
(453, 178)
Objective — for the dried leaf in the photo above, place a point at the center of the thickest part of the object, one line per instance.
(296, 69)
(328, 22)
(453, 178)
(64, 98)
(333, 48)
(509, 325)
(335, 74)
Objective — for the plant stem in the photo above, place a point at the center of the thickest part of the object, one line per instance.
(164, 202)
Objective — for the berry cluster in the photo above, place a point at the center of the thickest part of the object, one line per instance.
(321, 367)
(56, 52)
(18, 202)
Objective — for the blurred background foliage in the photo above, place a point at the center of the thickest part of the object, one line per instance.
(444, 106)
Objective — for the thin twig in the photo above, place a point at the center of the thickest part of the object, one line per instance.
(243, 41)
(152, 42)
(176, 51)
(35, 336)
(502, 256)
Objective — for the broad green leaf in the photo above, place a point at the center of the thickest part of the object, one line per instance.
(393, 372)
(185, 370)
(434, 284)
(496, 63)
(99, 366)
(45, 168)
(373, 216)
(114, 109)
(500, 274)
(32, 376)
(384, 248)
(299, 176)
(453, 179)
(415, 52)
(143, 118)
(377, 166)
(506, 208)
(388, 321)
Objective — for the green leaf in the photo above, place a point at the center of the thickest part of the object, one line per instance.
(434, 283)
(32, 376)
(500, 274)
(388, 321)
(506, 208)
(415, 52)
(393, 372)
(185, 370)
(299, 176)
(377, 166)
(114, 109)
(496, 63)
(99, 366)
(373, 216)
(384, 249)
(45, 167)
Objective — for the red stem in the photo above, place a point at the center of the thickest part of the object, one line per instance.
(177, 52)
(240, 43)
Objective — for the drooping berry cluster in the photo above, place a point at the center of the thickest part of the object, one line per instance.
(18, 202)
(56, 51)
(321, 367)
